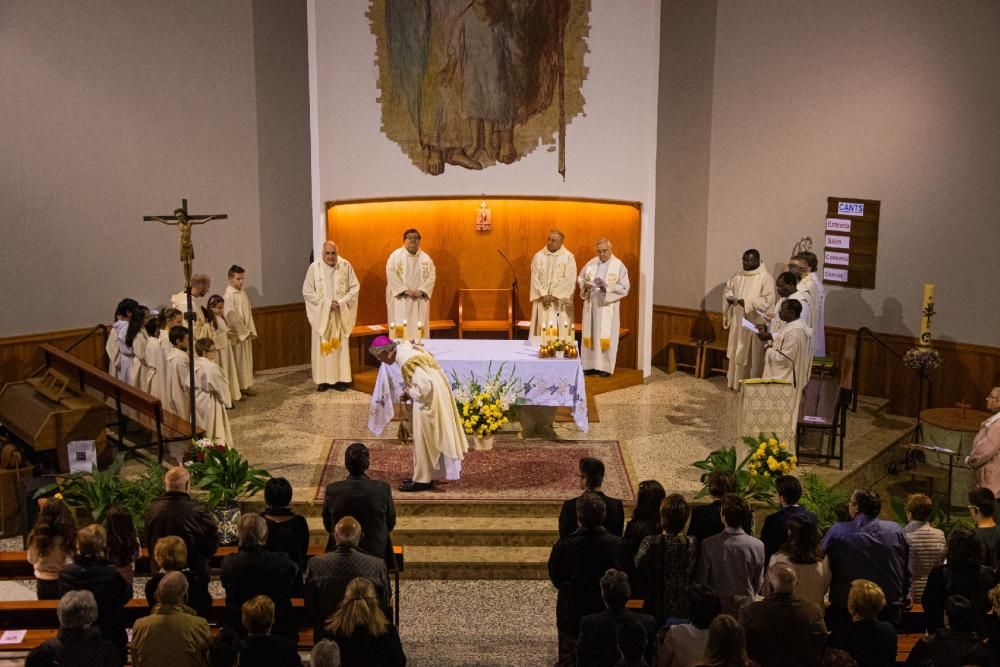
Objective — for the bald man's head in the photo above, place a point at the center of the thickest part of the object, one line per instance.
(347, 531)
(782, 578)
(176, 480)
(330, 253)
(173, 588)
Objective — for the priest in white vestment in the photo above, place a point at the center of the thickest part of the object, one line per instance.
(603, 284)
(410, 277)
(439, 441)
(177, 384)
(239, 317)
(553, 278)
(330, 291)
(211, 395)
(805, 265)
(748, 294)
(788, 355)
(200, 284)
(786, 285)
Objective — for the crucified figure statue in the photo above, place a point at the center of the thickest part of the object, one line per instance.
(184, 223)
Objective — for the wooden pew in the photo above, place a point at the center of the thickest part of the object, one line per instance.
(167, 427)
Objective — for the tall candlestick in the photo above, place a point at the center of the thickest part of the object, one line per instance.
(926, 314)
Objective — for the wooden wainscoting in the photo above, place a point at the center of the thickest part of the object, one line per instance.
(20, 356)
(967, 372)
(282, 336)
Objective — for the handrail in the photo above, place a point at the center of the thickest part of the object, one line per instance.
(103, 328)
(857, 360)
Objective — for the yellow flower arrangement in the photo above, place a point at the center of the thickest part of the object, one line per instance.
(484, 406)
(770, 457)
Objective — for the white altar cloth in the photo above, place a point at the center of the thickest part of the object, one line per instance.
(552, 382)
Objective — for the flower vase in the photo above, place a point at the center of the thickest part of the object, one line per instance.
(482, 442)
(228, 519)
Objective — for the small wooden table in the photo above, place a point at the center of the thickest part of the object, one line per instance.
(955, 419)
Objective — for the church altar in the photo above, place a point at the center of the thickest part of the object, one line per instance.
(548, 382)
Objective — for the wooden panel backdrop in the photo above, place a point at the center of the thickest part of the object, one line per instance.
(367, 231)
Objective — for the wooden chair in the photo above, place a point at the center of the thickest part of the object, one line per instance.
(485, 310)
(713, 351)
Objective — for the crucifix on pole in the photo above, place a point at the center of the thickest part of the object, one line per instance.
(183, 221)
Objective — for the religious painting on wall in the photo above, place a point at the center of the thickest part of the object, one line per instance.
(479, 83)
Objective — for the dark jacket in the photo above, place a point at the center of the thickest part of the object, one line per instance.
(973, 582)
(598, 645)
(198, 599)
(327, 577)
(576, 565)
(81, 648)
(784, 629)
(706, 521)
(363, 650)
(614, 517)
(174, 513)
(871, 643)
(945, 648)
(269, 651)
(288, 532)
(100, 577)
(370, 502)
(774, 532)
(250, 573)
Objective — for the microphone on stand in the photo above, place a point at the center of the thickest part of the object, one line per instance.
(513, 290)
(513, 284)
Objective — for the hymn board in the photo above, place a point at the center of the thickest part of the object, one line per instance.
(850, 250)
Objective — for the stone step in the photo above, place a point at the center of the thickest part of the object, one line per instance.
(476, 562)
(463, 531)
(417, 507)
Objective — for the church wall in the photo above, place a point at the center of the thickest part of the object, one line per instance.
(895, 100)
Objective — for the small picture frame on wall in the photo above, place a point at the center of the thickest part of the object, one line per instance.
(484, 220)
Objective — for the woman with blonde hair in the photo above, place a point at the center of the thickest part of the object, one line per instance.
(366, 638)
(871, 642)
(50, 545)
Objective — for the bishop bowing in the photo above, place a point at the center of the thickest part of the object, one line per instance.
(410, 277)
(603, 284)
(748, 294)
(330, 291)
(553, 278)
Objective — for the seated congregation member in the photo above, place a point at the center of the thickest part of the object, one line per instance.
(667, 561)
(927, 543)
(260, 648)
(173, 635)
(325, 653)
(90, 570)
(645, 521)
(726, 646)
(365, 636)
(224, 649)
(870, 548)
(79, 641)
(170, 555)
(175, 513)
(705, 519)
(327, 576)
(591, 478)
(949, 645)
(732, 562)
(123, 543)
(597, 645)
(803, 553)
(982, 507)
(50, 545)
(962, 573)
(630, 637)
(871, 642)
(683, 645)
(576, 565)
(254, 571)
(774, 533)
(771, 622)
(368, 500)
(286, 530)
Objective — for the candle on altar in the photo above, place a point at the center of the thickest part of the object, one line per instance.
(392, 329)
(420, 331)
(926, 314)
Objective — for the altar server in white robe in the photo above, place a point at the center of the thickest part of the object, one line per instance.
(788, 355)
(211, 394)
(439, 442)
(330, 290)
(239, 317)
(141, 373)
(553, 278)
(410, 277)
(223, 337)
(603, 284)
(200, 284)
(123, 313)
(177, 384)
(806, 264)
(157, 349)
(748, 294)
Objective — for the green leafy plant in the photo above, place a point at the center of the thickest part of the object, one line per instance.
(821, 499)
(753, 487)
(226, 476)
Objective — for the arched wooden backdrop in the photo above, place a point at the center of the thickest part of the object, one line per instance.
(366, 231)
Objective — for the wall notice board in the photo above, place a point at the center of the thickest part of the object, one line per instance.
(850, 249)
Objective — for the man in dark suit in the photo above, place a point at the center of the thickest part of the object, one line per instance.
(591, 478)
(597, 646)
(705, 519)
(576, 565)
(775, 530)
(367, 500)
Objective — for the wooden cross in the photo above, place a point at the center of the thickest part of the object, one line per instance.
(184, 222)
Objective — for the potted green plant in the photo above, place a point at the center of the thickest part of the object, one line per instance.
(227, 478)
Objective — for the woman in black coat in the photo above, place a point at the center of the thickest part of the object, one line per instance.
(963, 574)
(365, 637)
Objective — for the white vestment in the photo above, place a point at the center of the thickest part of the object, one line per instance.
(141, 373)
(744, 349)
(790, 348)
(113, 346)
(601, 312)
(156, 362)
(201, 327)
(552, 274)
(239, 317)
(404, 272)
(211, 398)
(818, 319)
(177, 383)
(331, 329)
(439, 442)
(805, 299)
(223, 337)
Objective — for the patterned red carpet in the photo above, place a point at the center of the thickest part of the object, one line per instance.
(539, 470)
